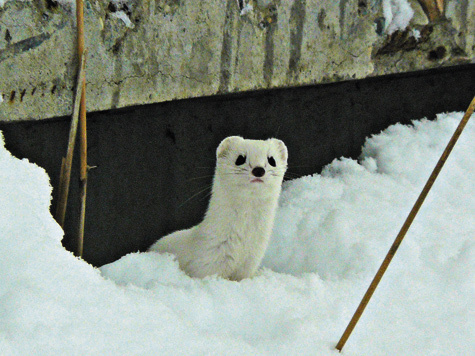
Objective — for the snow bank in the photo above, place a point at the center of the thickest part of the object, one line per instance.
(331, 233)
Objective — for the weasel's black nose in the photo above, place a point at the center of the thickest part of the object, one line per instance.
(258, 172)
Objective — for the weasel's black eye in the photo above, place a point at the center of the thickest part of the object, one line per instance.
(271, 161)
(240, 160)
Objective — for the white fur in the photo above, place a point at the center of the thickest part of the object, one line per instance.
(231, 240)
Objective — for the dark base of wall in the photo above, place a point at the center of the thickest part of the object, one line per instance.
(151, 160)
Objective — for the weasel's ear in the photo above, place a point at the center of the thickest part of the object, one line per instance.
(226, 145)
(281, 148)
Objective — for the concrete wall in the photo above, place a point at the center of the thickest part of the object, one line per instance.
(149, 51)
(152, 159)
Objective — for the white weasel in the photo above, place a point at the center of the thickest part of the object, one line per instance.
(232, 238)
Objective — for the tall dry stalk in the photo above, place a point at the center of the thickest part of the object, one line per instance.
(82, 130)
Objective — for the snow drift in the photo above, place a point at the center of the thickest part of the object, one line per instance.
(332, 232)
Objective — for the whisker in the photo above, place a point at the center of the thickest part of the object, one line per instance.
(236, 172)
(304, 166)
(201, 177)
(194, 195)
(293, 174)
(206, 195)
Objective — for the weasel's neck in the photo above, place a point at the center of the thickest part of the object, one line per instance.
(237, 205)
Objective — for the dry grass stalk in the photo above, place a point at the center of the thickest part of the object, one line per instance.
(65, 176)
(434, 9)
(82, 131)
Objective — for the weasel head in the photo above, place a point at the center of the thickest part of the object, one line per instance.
(257, 166)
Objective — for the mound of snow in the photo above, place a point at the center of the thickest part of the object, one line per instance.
(331, 233)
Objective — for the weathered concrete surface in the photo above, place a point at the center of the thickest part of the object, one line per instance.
(151, 51)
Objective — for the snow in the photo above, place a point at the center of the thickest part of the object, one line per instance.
(125, 19)
(2, 2)
(398, 14)
(248, 8)
(332, 232)
(416, 34)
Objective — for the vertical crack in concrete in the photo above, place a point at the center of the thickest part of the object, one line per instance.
(238, 43)
(464, 19)
(117, 74)
(296, 22)
(118, 51)
(226, 49)
(268, 68)
(342, 17)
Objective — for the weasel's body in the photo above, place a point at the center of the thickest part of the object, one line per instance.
(231, 240)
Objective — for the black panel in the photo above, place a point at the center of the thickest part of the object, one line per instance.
(151, 159)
